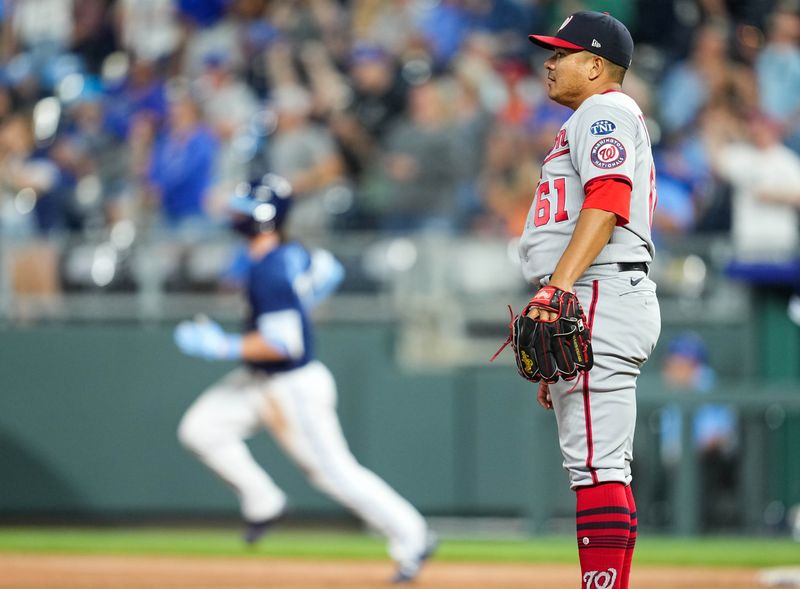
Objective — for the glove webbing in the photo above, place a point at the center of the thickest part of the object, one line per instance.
(510, 335)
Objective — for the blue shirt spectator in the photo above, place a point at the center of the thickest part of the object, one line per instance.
(683, 94)
(683, 178)
(686, 368)
(182, 164)
(444, 26)
(143, 92)
(778, 69)
(707, 76)
(675, 213)
(778, 73)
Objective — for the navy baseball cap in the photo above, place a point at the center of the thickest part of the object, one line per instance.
(595, 32)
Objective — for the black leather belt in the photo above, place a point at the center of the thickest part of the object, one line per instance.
(633, 267)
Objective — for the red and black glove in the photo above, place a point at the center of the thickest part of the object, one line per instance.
(560, 348)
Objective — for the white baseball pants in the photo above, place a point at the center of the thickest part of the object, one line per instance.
(299, 409)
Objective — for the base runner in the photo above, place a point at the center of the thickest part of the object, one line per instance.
(281, 385)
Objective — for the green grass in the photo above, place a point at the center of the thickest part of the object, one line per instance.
(717, 552)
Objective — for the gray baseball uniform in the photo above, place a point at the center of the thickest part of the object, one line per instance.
(604, 138)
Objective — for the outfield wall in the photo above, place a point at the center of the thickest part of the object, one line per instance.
(88, 415)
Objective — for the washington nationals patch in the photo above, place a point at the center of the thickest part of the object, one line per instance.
(608, 153)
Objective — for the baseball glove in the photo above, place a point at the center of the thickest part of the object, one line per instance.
(546, 351)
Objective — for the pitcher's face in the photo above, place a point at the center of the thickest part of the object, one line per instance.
(567, 75)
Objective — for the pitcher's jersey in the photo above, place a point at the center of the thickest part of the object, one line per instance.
(605, 137)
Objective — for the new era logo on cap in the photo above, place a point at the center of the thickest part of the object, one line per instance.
(596, 32)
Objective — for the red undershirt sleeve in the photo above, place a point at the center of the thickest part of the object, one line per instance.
(609, 194)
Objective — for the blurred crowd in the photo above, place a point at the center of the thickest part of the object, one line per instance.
(385, 115)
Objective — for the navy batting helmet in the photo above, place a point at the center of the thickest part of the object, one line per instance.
(261, 205)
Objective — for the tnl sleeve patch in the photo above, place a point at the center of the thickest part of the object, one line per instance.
(602, 127)
(608, 153)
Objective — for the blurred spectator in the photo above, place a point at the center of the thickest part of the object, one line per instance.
(506, 179)
(707, 76)
(304, 153)
(388, 23)
(31, 208)
(637, 87)
(520, 100)
(686, 369)
(443, 26)
(476, 65)
(282, 68)
(471, 127)
(23, 81)
(764, 176)
(294, 20)
(328, 84)
(228, 104)
(379, 100)
(27, 172)
(137, 93)
(93, 36)
(419, 166)
(765, 179)
(301, 22)
(446, 24)
(684, 182)
(148, 29)
(716, 125)
(254, 35)
(210, 30)
(675, 213)
(96, 159)
(43, 37)
(778, 71)
(182, 166)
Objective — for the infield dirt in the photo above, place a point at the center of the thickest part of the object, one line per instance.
(25, 571)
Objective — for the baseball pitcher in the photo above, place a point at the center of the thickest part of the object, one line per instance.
(280, 384)
(595, 318)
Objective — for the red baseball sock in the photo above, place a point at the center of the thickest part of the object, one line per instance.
(626, 566)
(603, 523)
